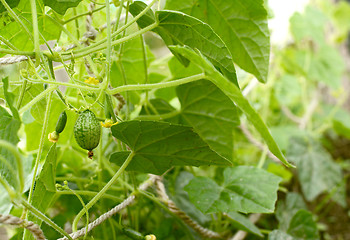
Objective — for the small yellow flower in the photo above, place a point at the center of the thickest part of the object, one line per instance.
(53, 137)
(92, 80)
(108, 123)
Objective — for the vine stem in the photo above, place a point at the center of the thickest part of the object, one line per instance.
(103, 190)
(35, 31)
(157, 85)
(14, 151)
(117, 32)
(41, 145)
(46, 219)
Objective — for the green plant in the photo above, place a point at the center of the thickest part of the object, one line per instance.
(179, 120)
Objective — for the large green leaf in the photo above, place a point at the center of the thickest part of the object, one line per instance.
(211, 113)
(317, 172)
(11, 3)
(5, 201)
(45, 188)
(61, 6)
(302, 226)
(14, 33)
(242, 25)
(234, 93)
(177, 28)
(9, 127)
(245, 189)
(159, 146)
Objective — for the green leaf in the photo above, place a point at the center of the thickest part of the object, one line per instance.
(14, 32)
(10, 99)
(45, 188)
(302, 226)
(158, 146)
(341, 123)
(309, 25)
(5, 202)
(233, 92)
(285, 210)
(145, 20)
(162, 107)
(211, 113)
(181, 199)
(241, 222)
(242, 25)
(317, 172)
(9, 127)
(61, 6)
(11, 3)
(245, 189)
(177, 28)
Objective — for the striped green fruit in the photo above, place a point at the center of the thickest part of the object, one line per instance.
(87, 131)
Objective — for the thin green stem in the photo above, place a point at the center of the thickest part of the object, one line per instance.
(119, 12)
(109, 42)
(8, 189)
(104, 189)
(17, 156)
(17, 52)
(35, 31)
(88, 50)
(83, 14)
(21, 94)
(156, 85)
(72, 85)
(37, 99)
(43, 217)
(7, 43)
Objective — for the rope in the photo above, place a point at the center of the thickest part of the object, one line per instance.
(11, 60)
(15, 221)
(111, 212)
(207, 233)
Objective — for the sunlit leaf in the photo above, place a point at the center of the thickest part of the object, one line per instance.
(159, 146)
(242, 25)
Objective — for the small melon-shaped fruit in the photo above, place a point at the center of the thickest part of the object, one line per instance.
(87, 131)
(61, 122)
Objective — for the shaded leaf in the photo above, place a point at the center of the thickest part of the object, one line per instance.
(211, 113)
(243, 223)
(302, 226)
(245, 189)
(242, 25)
(234, 93)
(9, 127)
(316, 170)
(285, 210)
(61, 6)
(159, 146)
(11, 3)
